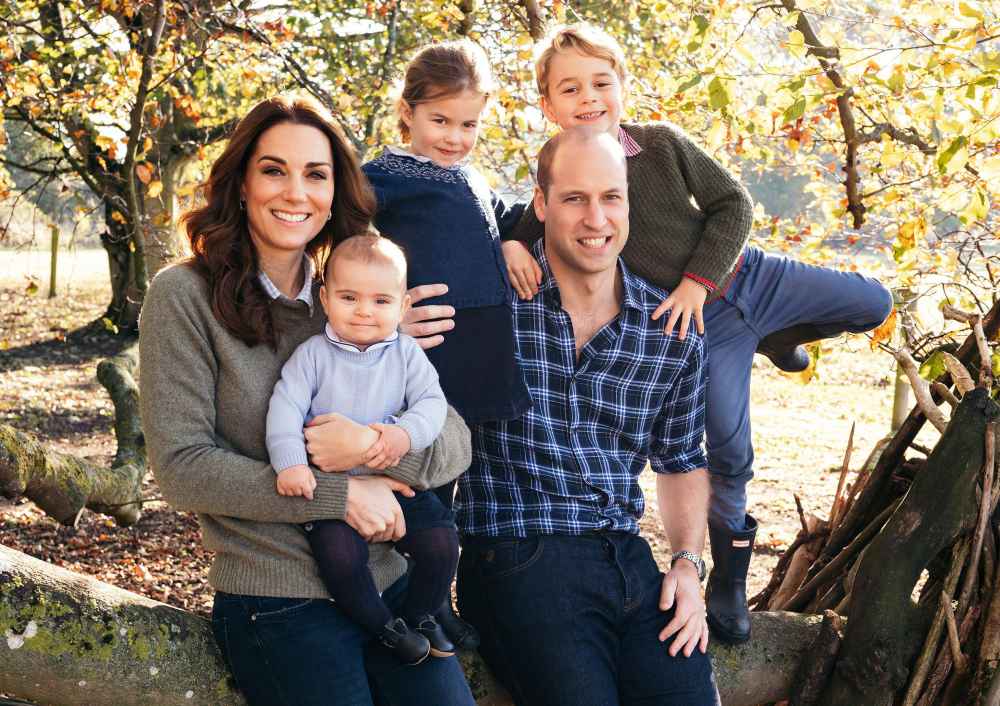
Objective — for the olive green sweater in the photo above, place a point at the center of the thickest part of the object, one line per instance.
(687, 215)
(204, 397)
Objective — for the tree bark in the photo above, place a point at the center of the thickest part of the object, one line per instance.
(70, 640)
(883, 633)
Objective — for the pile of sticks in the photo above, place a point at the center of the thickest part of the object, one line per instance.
(956, 655)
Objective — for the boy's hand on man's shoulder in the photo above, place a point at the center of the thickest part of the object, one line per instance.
(684, 303)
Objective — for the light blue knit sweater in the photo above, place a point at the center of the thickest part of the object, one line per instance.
(392, 378)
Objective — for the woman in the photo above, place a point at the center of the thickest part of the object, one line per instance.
(214, 334)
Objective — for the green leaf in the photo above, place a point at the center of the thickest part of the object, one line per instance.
(795, 110)
(690, 83)
(109, 325)
(945, 157)
(718, 94)
(701, 22)
(522, 173)
(933, 367)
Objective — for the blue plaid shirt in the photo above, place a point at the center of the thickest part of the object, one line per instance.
(570, 465)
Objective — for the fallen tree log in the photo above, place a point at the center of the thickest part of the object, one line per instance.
(63, 485)
(70, 640)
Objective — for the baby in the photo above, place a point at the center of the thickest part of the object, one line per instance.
(362, 368)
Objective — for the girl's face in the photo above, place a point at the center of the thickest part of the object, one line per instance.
(445, 130)
(288, 188)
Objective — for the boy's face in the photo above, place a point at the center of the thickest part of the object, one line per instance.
(583, 90)
(364, 302)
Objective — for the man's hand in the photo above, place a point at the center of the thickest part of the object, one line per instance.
(336, 443)
(427, 323)
(524, 271)
(682, 588)
(296, 481)
(685, 302)
(392, 444)
(372, 509)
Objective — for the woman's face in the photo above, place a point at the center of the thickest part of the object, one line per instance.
(288, 188)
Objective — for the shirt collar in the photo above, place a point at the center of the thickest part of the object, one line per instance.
(304, 295)
(400, 152)
(628, 143)
(631, 287)
(340, 343)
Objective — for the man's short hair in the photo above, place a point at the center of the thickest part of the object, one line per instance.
(581, 37)
(367, 248)
(581, 135)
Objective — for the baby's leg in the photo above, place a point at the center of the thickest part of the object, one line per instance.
(435, 555)
(342, 556)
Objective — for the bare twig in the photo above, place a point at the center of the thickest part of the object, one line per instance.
(838, 503)
(921, 390)
(802, 514)
(984, 517)
(945, 393)
(959, 373)
(953, 644)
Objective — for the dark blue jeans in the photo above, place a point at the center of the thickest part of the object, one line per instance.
(574, 620)
(306, 652)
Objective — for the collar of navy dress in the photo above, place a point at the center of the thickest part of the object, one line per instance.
(305, 294)
(570, 464)
(448, 221)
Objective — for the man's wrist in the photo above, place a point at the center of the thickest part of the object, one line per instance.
(687, 560)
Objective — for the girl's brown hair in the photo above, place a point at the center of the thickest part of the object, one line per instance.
(222, 251)
(443, 70)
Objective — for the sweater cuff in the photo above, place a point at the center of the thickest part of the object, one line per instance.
(282, 458)
(703, 281)
(417, 440)
(329, 498)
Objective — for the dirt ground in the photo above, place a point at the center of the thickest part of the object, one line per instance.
(48, 387)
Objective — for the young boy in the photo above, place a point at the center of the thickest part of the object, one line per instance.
(362, 368)
(747, 300)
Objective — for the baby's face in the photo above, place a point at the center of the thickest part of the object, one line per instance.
(364, 302)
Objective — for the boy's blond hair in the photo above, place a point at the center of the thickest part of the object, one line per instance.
(580, 37)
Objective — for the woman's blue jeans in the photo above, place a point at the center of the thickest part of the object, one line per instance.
(305, 652)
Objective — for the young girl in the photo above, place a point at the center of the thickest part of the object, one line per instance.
(443, 214)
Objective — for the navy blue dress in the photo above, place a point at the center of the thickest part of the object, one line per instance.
(448, 222)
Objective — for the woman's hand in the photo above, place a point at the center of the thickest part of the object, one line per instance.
(684, 303)
(336, 443)
(427, 323)
(372, 509)
(524, 271)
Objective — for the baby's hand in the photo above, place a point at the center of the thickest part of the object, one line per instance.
(685, 302)
(297, 481)
(524, 271)
(392, 445)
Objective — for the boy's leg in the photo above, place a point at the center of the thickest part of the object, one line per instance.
(789, 302)
(731, 344)
(342, 557)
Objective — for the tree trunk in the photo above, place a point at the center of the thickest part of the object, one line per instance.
(885, 627)
(71, 640)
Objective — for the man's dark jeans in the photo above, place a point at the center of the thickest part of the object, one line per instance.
(306, 652)
(574, 621)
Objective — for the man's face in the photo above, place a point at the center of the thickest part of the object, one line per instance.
(586, 210)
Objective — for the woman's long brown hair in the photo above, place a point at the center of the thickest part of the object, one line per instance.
(220, 241)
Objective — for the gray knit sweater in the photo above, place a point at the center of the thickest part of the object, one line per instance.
(671, 236)
(204, 398)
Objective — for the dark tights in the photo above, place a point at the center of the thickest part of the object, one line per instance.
(342, 556)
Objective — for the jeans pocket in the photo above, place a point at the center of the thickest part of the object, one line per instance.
(505, 558)
(272, 610)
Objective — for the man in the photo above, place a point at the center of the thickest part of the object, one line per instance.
(568, 599)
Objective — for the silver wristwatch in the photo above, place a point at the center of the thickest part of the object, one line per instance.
(695, 559)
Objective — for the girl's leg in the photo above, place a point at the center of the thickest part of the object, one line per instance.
(342, 556)
(435, 554)
(291, 651)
